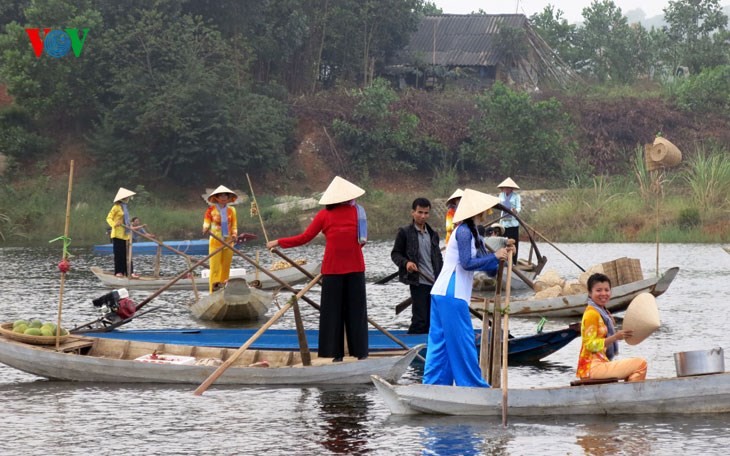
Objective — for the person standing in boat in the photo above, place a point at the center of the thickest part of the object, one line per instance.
(119, 221)
(452, 354)
(599, 338)
(344, 306)
(511, 200)
(451, 204)
(417, 254)
(221, 220)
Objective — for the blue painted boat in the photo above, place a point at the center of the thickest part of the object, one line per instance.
(522, 350)
(189, 247)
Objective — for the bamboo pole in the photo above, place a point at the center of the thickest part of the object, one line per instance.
(65, 253)
(222, 368)
(505, 341)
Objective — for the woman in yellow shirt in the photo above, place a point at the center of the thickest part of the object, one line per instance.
(117, 219)
(599, 338)
(220, 219)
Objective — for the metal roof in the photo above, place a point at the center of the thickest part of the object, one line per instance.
(461, 40)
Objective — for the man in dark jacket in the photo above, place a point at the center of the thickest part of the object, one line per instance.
(417, 254)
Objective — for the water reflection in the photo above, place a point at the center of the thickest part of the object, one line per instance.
(343, 413)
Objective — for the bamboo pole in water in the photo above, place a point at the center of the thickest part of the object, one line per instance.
(65, 253)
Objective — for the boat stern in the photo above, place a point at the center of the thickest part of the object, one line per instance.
(390, 397)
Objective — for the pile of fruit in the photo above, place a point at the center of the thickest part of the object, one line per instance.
(36, 328)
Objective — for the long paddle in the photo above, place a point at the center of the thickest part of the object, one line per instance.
(222, 368)
(551, 244)
(162, 244)
(314, 304)
(505, 340)
(403, 305)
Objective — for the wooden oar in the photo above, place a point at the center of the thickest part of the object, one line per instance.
(386, 279)
(162, 244)
(505, 341)
(486, 347)
(65, 253)
(222, 368)
(551, 244)
(314, 304)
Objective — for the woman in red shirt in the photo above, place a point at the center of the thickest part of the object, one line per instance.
(344, 307)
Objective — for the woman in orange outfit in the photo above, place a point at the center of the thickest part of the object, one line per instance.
(220, 219)
(599, 338)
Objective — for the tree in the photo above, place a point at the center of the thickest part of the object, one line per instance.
(557, 32)
(692, 24)
(608, 44)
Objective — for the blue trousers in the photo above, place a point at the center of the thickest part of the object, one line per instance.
(451, 357)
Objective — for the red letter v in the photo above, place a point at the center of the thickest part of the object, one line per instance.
(35, 40)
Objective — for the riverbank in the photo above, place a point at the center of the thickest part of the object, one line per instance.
(617, 209)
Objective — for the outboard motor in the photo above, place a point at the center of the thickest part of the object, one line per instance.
(116, 305)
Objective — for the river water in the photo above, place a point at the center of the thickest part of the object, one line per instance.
(63, 418)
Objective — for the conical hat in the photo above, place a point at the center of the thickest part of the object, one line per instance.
(473, 203)
(339, 191)
(508, 183)
(497, 227)
(123, 193)
(223, 189)
(458, 193)
(642, 317)
(237, 192)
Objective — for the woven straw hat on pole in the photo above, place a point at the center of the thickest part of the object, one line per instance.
(642, 317)
(339, 191)
(661, 154)
(473, 203)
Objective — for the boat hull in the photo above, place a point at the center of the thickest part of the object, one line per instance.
(574, 305)
(117, 365)
(290, 276)
(700, 394)
(189, 247)
(522, 350)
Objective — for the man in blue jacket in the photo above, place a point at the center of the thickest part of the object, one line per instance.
(417, 254)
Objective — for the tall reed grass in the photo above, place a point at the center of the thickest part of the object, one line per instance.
(708, 178)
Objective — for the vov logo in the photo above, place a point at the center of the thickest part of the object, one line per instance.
(57, 43)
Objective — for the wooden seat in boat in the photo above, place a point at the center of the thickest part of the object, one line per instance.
(593, 381)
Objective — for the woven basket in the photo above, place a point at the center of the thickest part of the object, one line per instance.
(661, 154)
(6, 329)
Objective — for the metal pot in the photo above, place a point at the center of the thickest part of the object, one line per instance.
(700, 362)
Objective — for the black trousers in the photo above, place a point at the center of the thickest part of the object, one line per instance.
(344, 310)
(421, 309)
(513, 232)
(119, 246)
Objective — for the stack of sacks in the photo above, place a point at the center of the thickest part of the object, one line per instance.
(549, 285)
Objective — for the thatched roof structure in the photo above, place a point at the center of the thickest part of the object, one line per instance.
(472, 40)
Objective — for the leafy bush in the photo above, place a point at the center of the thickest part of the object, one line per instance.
(709, 91)
(708, 177)
(688, 218)
(515, 134)
(377, 133)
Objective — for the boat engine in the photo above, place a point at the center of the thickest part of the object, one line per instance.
(115, 305)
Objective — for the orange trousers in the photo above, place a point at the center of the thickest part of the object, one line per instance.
(629, 369)
(220, 263)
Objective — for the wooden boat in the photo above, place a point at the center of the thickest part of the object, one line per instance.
(522, 350)
(235, 302)
(86, 359)
(574, 305)
(679, 395)
(289, 275)
(189, 247)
